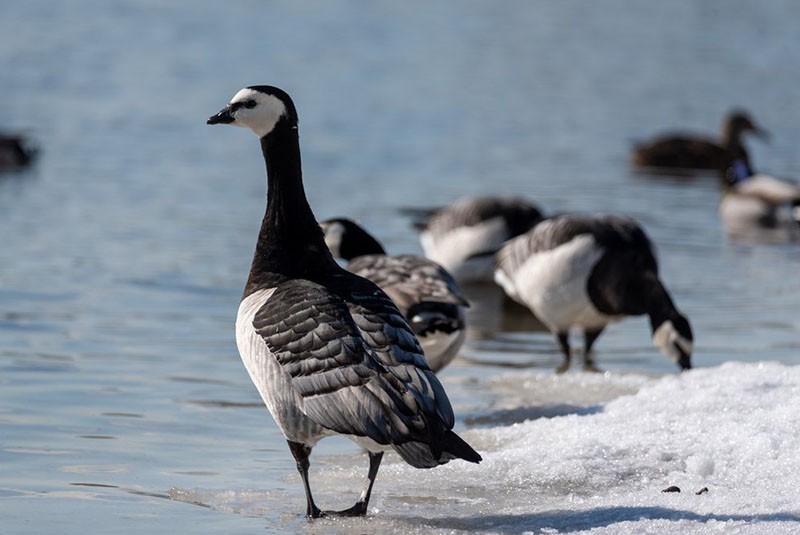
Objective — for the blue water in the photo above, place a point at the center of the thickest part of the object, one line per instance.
(123, 404)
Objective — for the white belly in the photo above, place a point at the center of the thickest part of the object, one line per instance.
(772, 190)
(271, 381)
(743, 209)
(553, 284)
(454, 249)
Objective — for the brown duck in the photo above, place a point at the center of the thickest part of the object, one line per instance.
(687, 151)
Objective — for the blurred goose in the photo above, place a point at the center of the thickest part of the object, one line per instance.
(464, 236)
(16, 152)
(425, 293)
(686, 151)
(586, 272)
(754, 199)
(327, 350)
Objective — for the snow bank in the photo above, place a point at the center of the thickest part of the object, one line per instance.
(727, 437)
(582, 453)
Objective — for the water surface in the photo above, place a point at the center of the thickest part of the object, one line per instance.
(123, 403)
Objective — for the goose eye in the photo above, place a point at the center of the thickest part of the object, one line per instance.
(250, 104)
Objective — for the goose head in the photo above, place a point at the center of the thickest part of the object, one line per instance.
(347, 239)
(674, 338)
(260, 108)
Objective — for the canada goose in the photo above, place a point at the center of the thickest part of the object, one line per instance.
(687, 151)
(426, 294)
(586, 272)
(464, 236)
(327, 350)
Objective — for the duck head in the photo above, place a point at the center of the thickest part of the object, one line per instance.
(739, 122)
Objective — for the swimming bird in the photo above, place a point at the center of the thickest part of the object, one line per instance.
(426, 294)
(688, 151)
(751, 199)
(328, 351)
(464, 236)
(16, 152)
(586, 271)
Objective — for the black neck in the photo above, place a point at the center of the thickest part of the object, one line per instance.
(732, 138)
(660, 307)
(290, 243)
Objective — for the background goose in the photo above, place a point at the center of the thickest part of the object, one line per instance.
(755, 199)
(426, 294)
(464, 236)
(16, 151)
(327, 350)
(586, 272)
(686, 151)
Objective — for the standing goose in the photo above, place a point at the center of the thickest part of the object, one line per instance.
(464, 236)
(752, 199)
(686, 151)
(327, 350)
(426, 294)
(586, 272)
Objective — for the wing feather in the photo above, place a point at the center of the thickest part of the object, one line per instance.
(409, 279)
(353, 360)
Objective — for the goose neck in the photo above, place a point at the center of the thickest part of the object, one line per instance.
(290, 242)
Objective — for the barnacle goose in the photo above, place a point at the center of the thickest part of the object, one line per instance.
(327, 350)
(464, 236)
(426, 294)
(587, 271)
(687, 151)
(752, 199)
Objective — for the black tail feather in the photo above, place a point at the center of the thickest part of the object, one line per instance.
(455, 445)
(420, 455)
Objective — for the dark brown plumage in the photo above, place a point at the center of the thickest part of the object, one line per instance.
(16, 152)
(688, 151)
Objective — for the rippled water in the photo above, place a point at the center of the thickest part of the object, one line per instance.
(123, 404)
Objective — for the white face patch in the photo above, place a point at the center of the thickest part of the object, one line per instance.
(260, 118)
(334, 233)
(668, 340)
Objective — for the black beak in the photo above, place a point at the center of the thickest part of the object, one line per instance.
(223, 117)
(685, 361)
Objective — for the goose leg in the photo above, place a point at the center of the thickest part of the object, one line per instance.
(360, 507)
(589, 339)
(301, 453)
(563, 341)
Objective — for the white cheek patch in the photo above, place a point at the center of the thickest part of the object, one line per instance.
(263, 117)
(668, 340)
(334, 233)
